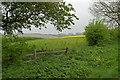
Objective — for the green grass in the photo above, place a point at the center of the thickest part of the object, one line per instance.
(58, 44)
(32, 38)
(80, 62)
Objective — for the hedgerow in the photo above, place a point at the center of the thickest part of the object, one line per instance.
(15, 49)
(97, 33)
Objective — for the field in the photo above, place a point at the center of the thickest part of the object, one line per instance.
(38, 35)
(81, 61)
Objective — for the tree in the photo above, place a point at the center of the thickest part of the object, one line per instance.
(19, 15)
(97, 33)
(78, 33)
(110, 11)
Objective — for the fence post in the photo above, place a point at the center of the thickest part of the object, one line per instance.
(35, 54)
(66, 50)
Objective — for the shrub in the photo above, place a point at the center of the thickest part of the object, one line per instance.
(97, 33)
(113, 33)
(14, 48)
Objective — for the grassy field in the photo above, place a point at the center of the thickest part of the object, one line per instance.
(32, 38)
(82, 61)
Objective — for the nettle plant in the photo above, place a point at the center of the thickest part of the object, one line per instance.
(113, 33)
(97, 33)
(14, 48)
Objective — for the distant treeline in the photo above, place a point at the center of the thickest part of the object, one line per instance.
(70, 34)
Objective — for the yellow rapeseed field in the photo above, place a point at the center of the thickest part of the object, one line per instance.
(72, 36)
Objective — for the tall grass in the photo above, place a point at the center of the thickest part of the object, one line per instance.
(58, 44)
(82, 61)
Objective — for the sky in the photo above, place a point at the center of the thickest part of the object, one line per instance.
(82, 12)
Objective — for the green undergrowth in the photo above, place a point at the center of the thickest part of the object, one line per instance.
(81, 61)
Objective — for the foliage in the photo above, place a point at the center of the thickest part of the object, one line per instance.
(113, 33)
(97, 33)
(107, 10)
(82, 61)
(14, 48)
(19, 15)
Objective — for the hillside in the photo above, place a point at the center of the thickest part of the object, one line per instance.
(38, 35)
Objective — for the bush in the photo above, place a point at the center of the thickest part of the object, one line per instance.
(97, 33)
(14, 48)
(113, 33)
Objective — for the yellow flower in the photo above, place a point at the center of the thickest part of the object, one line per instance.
(73, 36)
(97, 59)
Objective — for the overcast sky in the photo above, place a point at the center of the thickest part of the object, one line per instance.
(82, 11)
